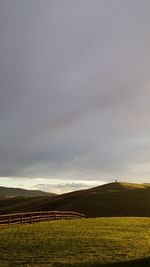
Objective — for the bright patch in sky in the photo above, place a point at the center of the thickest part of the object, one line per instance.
(54, 186)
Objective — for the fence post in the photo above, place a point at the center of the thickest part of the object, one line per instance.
(31, 217)
(9, 220)
(21, 219)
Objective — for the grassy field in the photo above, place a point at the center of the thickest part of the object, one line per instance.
(87, 242)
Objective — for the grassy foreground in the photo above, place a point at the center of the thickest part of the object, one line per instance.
(86, 242)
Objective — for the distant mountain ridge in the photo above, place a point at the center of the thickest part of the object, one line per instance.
(8, 192)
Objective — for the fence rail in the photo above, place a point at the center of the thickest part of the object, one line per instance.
(32, 217)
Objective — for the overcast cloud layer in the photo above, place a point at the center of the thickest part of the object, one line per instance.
(74, 89)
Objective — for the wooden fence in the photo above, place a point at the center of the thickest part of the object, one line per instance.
(32, 217)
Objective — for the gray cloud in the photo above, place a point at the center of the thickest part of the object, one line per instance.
(74, 89)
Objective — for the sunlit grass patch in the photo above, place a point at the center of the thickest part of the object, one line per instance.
(75, 242)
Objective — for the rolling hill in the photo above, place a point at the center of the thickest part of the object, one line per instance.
(114, 199)
(7, 192)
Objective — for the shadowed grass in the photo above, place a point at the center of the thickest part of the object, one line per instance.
(115, 199)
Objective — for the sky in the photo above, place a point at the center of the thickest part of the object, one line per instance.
(74, 93)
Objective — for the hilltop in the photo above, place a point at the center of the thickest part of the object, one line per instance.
(113, 199)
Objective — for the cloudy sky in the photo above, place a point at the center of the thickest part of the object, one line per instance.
(74, 93)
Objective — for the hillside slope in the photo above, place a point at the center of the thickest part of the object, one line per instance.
(114, 199)
(6, 192)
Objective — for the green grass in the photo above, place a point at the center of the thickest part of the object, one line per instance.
(16, 192)
(86, 242)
